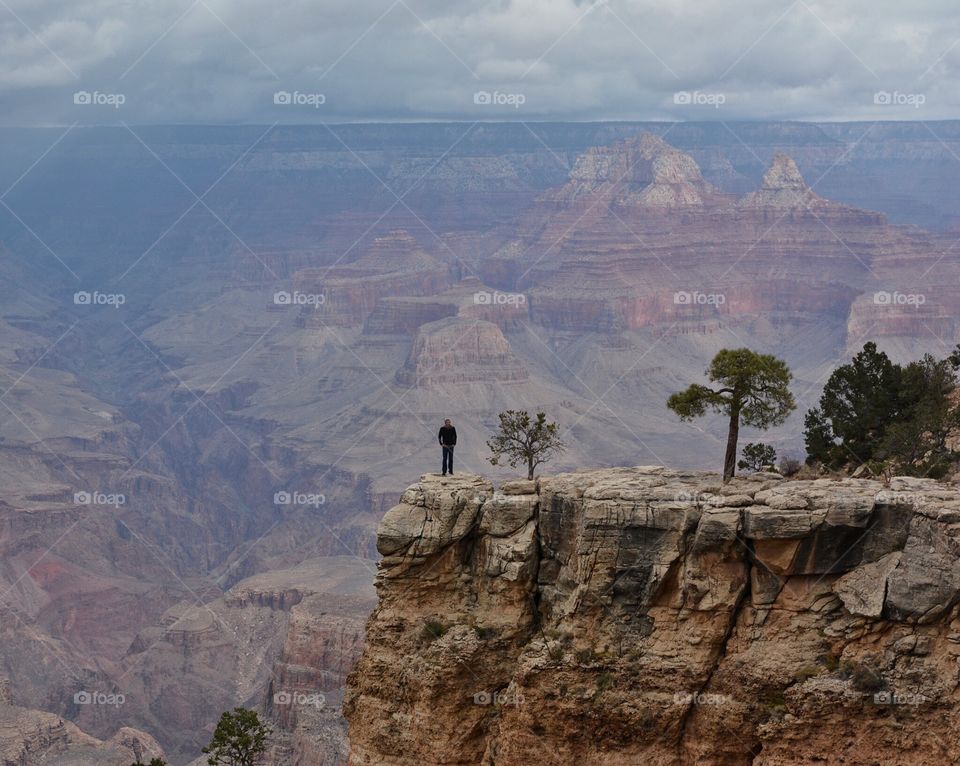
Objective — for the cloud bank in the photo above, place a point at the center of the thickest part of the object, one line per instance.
(292, 61)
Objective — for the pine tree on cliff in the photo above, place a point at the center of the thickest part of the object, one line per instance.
(754, 389)
(524, 440)
(240, 739)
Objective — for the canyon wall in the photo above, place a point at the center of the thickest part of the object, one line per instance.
(308, 339)
(645, 615)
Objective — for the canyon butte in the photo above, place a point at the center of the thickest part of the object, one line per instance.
(302, 333)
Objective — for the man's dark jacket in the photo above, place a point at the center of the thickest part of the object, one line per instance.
(447, 436)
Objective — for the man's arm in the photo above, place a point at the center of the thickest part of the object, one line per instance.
(440, 436)
(454, 434)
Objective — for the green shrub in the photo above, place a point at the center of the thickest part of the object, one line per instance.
(584, 656)
(806, 672)
(867, 680)
(830, 661)
(433, 629)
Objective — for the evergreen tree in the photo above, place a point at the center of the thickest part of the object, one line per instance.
(240, 739)
(753, 389)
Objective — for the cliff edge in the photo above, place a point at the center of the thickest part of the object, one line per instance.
(646, 615)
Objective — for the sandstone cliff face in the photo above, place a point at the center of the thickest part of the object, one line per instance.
(280, 641)
(460, 350)
(643, 171)
(393, 265)
(642, 615)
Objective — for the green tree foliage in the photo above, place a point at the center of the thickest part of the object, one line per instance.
(756, 456)
(873, 410)
(752, 388)
(240, 739)
(153, 762)
(857, 403)
(521, 439)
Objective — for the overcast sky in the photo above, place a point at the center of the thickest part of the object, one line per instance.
(253, 61)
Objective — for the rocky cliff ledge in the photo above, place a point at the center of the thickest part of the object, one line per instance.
(643, 615)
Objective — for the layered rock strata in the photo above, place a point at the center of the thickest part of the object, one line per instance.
(643, 615)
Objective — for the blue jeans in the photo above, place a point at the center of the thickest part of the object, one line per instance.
(447, 458)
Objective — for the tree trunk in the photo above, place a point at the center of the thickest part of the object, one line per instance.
(530, 467)
(733, 434)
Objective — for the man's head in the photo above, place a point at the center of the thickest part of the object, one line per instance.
(447, 422)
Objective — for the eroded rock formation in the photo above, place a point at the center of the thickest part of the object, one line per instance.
(643, 615)
(29, 736)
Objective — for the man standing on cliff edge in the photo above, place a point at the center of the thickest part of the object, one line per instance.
(448, 440)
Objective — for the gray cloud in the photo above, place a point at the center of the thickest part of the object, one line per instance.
(224, 60)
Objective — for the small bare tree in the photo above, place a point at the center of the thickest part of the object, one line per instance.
(522, 439)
